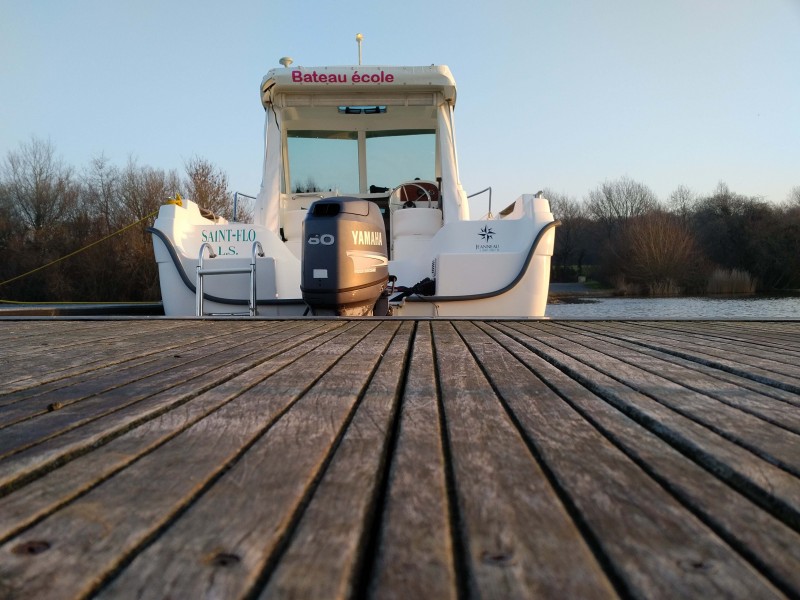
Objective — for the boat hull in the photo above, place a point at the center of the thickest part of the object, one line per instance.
(481, 269)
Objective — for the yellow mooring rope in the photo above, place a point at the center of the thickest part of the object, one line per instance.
(177, 201)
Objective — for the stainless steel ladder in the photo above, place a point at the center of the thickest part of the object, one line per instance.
(251, 270)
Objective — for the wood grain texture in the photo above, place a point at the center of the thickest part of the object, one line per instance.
(764, 482)
(626, 510)
(773, 546)
(90, 536)
(411, 561)
(264, 493)
(519, 540)
(197, 353)
(119, 439)
(296, 458)
(39, 453)
(686, 392)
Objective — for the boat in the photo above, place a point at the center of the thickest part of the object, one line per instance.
(360, 213)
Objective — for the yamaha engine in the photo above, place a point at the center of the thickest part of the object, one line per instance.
(345, 260)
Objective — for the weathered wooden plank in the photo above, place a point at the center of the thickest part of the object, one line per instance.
(763, 370)
(769, 544)
(235, 375)
(89, 538)
(108, 337)
(137, 432)
(264, 493)
(415, 555)
(42, 337)
(706, 336)
(107, 349)
(488, 503)
(742, 385)
(649, 375)
(627, 511)
(144, 382)
(753, 397)
(766, 342)
(516, 532)
(151, 360)
(42, 399)
(783, 338)
(329, 549)
(768, 485)
(74, 348)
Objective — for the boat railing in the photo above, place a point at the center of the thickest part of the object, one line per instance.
(236, 204)
(489, 215)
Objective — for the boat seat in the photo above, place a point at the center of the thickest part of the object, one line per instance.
(293, 230)
(416, 221)
(293, 224)
(412, 230)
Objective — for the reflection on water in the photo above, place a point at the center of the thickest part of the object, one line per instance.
(756, 307)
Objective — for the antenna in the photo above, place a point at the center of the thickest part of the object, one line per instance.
(286, 61)
(359, 39)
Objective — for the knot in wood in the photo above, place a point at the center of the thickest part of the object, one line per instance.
(31, 548)
(225, 559)
(498, 558)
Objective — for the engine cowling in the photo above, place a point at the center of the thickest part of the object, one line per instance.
(345, 265)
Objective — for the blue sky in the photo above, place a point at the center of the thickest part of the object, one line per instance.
(561, 94)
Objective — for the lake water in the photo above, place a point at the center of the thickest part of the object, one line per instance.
(756, 307)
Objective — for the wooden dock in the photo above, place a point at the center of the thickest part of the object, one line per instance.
(156, 458)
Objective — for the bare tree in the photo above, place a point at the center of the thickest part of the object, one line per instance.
(144, 189)
(208, 186)
(100, 192)
(661, 253)
(38, 186)
(9, 233)
(309, 186)
(682, 201)
(793, 197)
(613, 203)
(562, 206)
(571, 240)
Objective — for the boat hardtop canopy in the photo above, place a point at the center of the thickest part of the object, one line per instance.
(358, 79)
(354, 130)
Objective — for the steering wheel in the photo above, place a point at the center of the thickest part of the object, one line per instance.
(404, 189)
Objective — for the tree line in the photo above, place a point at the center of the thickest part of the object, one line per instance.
(620, 233)
(48, 210)
(624, 236)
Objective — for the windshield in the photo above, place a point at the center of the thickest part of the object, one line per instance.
(323, 161)
(394, 157)
(327, 161)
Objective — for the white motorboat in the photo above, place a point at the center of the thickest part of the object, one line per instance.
(360, 212)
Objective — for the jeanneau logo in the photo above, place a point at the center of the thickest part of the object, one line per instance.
(486, 234)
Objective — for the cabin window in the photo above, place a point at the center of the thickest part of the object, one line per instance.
(328, 161)
(323, 161)
(394, 157)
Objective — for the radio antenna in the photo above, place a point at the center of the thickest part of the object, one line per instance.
(359, 39)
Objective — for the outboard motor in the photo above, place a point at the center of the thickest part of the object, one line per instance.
(345, 258)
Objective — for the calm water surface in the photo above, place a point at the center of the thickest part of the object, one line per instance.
(758, 307)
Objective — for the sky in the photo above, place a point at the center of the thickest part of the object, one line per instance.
(558, 94)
